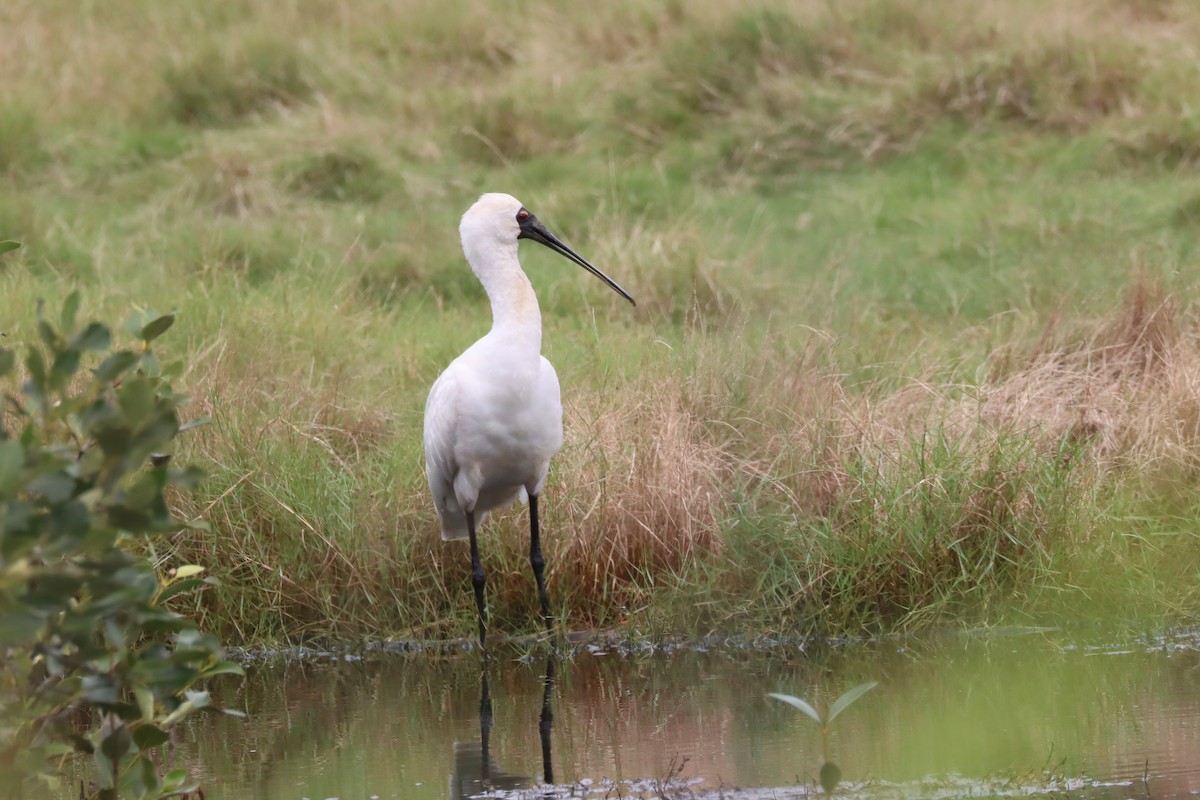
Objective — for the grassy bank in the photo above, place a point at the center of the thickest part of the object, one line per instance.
(915, 341)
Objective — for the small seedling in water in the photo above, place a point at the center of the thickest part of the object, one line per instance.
(830, 774)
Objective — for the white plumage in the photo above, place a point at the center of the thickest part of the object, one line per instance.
(493, 419)
(492, 422)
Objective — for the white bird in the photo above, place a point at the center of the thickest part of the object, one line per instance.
(493, 419)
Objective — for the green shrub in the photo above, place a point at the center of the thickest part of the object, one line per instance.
(93, 664)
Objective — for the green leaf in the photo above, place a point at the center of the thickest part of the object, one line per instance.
(115, 365)
(156, 434)
(52, 590)
(94, 337)
(37, 369)
(149, 363)
(185, 708)
(174, 779)
(66, 363)
(194, 423)
(224, 668)
(48, 334)
(185, 790)
(150, 779)
(114, 636)
(131, 520)
(69, 520)
(12, 459)
(70, 311)
(148, 735)
(81, 744)
(113, 437)
(173, 370)
(8, 360)
(137, 321)
(55, 487)
(796, 702)
(116, 744)
(152, 330)
(104, 769)
(145, 700)
(146, 490)
(179, 587)
(99, 689)
(848, 697)
(188, 478)
(18, 627)
(136, 399)
(8, 245)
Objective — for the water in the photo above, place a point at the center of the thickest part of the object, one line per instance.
(1011, 713)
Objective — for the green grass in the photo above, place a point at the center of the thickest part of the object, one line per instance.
(914, 333)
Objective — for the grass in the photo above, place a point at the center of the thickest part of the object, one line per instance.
(915, 337)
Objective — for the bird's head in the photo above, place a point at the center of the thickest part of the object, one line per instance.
(491, 221)
(496, 222)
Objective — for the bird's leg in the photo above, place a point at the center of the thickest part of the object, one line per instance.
(477, 579)
(537, 561)
(485, 720)
(546, 722)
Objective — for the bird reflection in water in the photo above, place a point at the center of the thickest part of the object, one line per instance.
(475, 770)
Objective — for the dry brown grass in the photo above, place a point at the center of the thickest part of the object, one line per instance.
(895, 501)
(636, 504)
(1124, 387)
(1127, 389)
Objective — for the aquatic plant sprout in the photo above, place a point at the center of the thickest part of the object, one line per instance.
(841, 704)
(830, 773)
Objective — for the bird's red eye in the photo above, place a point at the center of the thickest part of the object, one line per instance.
(522, 215)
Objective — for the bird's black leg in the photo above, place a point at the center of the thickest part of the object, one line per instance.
(485, 722)
(546, 722)
(477, 579)
(537, 561)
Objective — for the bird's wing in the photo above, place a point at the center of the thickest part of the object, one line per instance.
(441, 423)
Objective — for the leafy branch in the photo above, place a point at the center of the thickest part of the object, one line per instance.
(93, 661)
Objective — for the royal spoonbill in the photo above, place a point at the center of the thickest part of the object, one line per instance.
(493, 419)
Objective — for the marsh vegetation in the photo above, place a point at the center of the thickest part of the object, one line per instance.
(916, 339)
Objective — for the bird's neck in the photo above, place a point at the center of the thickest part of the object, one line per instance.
(515, 312)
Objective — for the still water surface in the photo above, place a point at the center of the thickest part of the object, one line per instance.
(1015, 713)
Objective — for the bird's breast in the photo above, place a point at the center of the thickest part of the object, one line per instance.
(510, 426)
